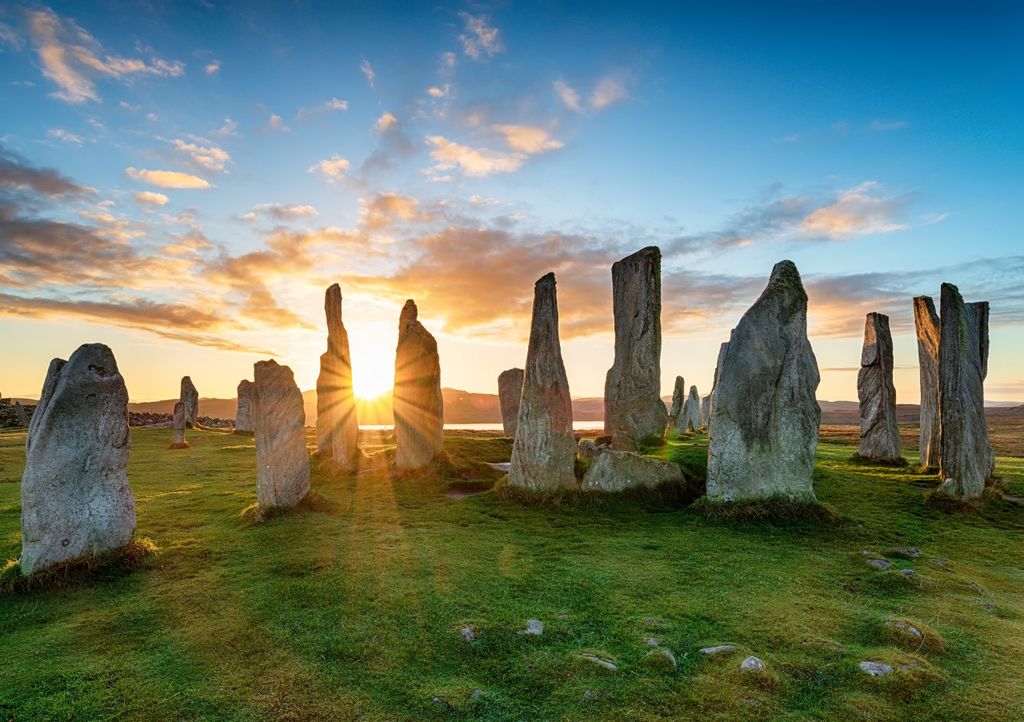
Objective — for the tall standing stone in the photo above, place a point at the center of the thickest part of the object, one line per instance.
(709, 400)
(337, 427)
(764, 415)
(75, 498)
(926, 323)
(705, 411)
(965, 457)
(243, 411)
(418, 404)
(190, 397)
(178, 425)
(678, 397)
(689, 420)
(510, 392)
(544, 451)
(879, 430)
(279, 420)
(633, 408)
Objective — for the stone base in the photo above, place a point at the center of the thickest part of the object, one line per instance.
(882, 461)
(183, 445)
(776, 509)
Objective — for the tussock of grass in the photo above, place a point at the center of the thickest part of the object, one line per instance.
(84, 570)
(312, 502)
(777, 510)
(912, 636)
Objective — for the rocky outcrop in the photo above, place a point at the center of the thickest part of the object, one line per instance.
(879, 430)
(337, 427)
(633, 408)
(510, 391)
(282, 462)
(418, 405)
(243, 413)
(75, 498)
(190, 397)
(965, 457)
(689, 419)
(178, 426)
(544, 451)
(764, 415)
(927, 326)
(615, 471)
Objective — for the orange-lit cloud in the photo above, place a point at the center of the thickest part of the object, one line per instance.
(527, 139)
(167, 178)
(151, 198)
(332, 169)
(478, 162)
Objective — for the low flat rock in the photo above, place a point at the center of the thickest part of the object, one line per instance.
(875, 669)
(718, 649)
(614, 471)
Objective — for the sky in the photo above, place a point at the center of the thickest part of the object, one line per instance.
(182, 181)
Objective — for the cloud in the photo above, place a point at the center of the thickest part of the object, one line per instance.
(859, 211)
(384, 123)
(383, 209)
(480, 39)
(9, 37)
(440, 92)
(367, 70)
(17, 174)
(527, 139)
(276, 125)
(72, 58)
(447, 62)
(281, 212)
(209, 157)
(569, 97)
(885, 126)
(212, 68)
(226, 129)
(608, 91)
(167, 178)
(477, 162)
(151, 198)
(66, 136)
(125, 105)
(332, 170)
(332, 105)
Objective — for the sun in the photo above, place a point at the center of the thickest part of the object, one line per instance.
(373, 363)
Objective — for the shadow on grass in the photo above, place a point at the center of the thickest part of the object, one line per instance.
(98, 567)
(776, 510)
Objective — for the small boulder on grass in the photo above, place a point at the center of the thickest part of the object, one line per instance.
(718, 649)
(599, 659)
(659, 659)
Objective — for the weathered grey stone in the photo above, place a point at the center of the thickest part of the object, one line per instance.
(621, 470)
(710, 399)
(599, 660)
(659, 659)
(75, 498)
(587, 449)
(880, 564)
(927, 325)
(20, 414)
(875, 669)
(966, 460)
(337, 428)
(678, 397)
(752, 664)
(178, 425)
(764, 415)
(190, 397)
(282, 462)
(879, 430)
(718, 649)
(544, 451)
(510, 391)
(418, 405)
(243, 413)
(689, 419)
(633, 408)
(705, 411)
(534, 628)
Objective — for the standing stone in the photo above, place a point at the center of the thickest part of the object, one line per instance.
(544, 451)
(633, 408)
(190, 397)
(710, 399)
(926, 323)
(678, 397)
(510, 392)
(418, 405)
(879, 430)
(178, 425)
(282, 462)
(705, 411)
(965, 456)
(764, 415)
(337, 427)
(75, 498)
(689, 420)
(243, 413)
(19, 414)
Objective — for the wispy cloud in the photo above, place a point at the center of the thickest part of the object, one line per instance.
(480, 40)
(859, 211)
(332, 105)
(885, 126)
(368, 72)
(212, 68)
(151, 198)
(66, 136)
(227, 129)
(167, 178)
(609, 90)
(478, 162)
(206, 157)
(527, 139)
(332, 170)
(383, 209)
(385, 123)
(276, 125)
(281, 212)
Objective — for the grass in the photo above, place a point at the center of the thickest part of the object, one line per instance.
(351, 607)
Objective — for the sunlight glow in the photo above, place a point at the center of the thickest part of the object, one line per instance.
(373, 360)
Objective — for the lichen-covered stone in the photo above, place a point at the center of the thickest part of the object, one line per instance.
(689, 419)
(927, 326)
(190, 397)
(75, 498)
(879, 430)
(418, 404)
(764, 415)
(243, 411)
(337, 427)
(282, 461)
(544, 451)
(633, 409)
(615, 471)
(510, 391)
(178, 426)
(587, 449)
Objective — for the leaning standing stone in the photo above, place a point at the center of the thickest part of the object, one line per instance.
(20, 414)
(178, 425)
(879, 430)
(926, 323)
(510, 391)
(418, 404)
(633, 408)
(243, 412)
(544, 451)
(282, 462)
(764, 415)
(190, 397)
(966, 460)
(75, 498)
(337, 428)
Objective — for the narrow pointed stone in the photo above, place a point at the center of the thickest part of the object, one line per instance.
(678, 397)
(243, 411)
(689, 419)
(75, 498)
(879, 430)
(178, 426)
(279, 420)
(764, 415)
(544, 451)
(510, 392)
(633, 408)
(418, 404)
(705, 411)
(965, 456)
(337, 427)
(927, 326)
(710, 399)
(190, 397)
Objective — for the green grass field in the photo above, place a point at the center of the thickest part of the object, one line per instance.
(352, 611)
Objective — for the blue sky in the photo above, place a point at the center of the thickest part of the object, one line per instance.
(455, 153)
